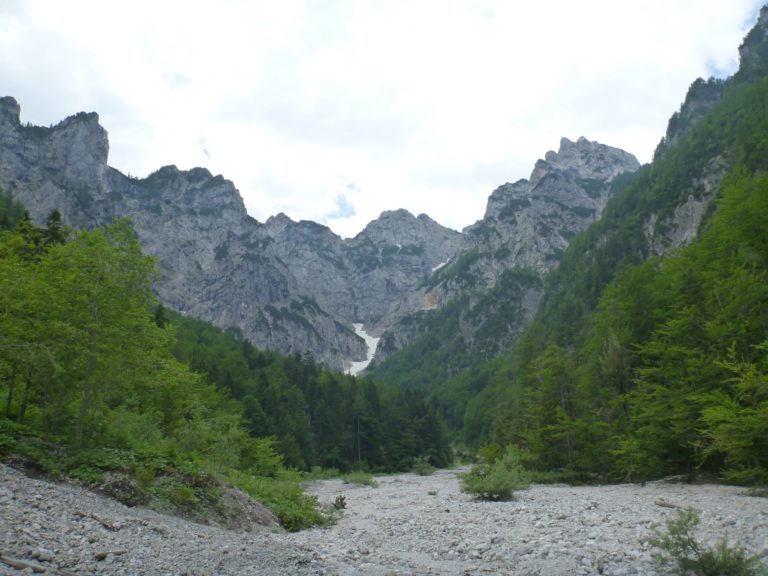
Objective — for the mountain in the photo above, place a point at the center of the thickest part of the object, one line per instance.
(293, 287)
(296, 287)
(480, 301)
(647, 355)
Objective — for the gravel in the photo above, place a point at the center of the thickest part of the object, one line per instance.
(409, 524)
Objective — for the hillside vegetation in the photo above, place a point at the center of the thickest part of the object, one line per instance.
(638, 366)
(98, 382)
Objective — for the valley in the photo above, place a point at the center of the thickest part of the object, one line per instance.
(602, 331)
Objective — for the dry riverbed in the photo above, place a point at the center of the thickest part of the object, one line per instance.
(407, 525)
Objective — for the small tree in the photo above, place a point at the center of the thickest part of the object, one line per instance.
(690, 557)
(497, 479)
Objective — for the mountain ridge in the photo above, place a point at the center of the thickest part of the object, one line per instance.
(293, 287)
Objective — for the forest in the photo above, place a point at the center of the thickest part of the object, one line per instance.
(640, 366)
(97, 377)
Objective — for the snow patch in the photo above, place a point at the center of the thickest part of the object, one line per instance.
(436, 268)
(354, 368)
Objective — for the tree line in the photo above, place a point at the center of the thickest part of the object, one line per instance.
(639, 366)
(92, 363)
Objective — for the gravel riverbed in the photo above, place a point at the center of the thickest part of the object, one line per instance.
(409, 524)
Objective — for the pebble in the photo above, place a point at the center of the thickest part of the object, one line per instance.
(398, 528)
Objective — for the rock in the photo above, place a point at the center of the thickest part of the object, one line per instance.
(43, 554)
(534, 219)
(527, 226)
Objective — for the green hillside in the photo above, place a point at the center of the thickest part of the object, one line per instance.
(101, 385)
(638, 366)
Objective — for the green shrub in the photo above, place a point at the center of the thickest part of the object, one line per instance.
(259, 457)
(422, 467)
(284, 496)
(687, 556)
(319, 473)
(359, 477)
(184, 495)
(29, 450)
(145, 475)
(497, 479)
(89, 465)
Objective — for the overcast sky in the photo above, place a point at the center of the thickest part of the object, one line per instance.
(335, 110)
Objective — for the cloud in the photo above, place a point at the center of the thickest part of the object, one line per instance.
(204, 147)
(344, 209)
(424, 105)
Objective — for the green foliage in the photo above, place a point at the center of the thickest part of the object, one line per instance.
(497, 478)
(11, 212)
(316, 417)
(422, 467)
(102, 385)
(361, 478)
(434, 361)
(283, 494)
(687, 556)
(639, 367)
(92, 392)
(318, 473)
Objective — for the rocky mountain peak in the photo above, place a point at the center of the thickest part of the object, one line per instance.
(400, 227)
(591, 160)
(10, 112)
(753, 52)
(285, 285)
(278, 222)
(529, 223)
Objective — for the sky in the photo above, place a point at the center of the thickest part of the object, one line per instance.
(336, 110)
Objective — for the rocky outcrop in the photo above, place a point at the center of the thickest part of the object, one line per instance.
(497, 277)
(701, 96)
(669, 232)
(392, 257)
(215, 262)
(528, 224)
(753, 52)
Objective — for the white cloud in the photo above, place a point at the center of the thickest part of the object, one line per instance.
(425, 105)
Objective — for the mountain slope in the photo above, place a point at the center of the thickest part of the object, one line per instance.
(296, 287)
(482, 299)
(286, 286)
(647, 356)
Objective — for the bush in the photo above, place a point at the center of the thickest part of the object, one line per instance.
(497, 479)
(363, 478)
(422, 467)
(284, 496)
(319, 473)
(689, 557)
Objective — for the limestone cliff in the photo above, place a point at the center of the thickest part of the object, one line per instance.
(293, 287)
(526, 229)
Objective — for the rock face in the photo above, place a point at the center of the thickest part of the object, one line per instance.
(296, 287)
(528, 224)
(526, 228)
(753, 52)
(293, 287)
